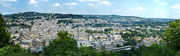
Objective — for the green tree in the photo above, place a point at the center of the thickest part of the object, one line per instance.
(4, 34)
(172, 35)
(64, 45)
(2, 21)
(32, 22)
(118, 45)
(87, 51)
(109, 53)
(158, 50)
(13, 50)
(90, 51)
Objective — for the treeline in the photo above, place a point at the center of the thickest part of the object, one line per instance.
(65, 21)
(20, 25)
(36, 15)
(106, 31)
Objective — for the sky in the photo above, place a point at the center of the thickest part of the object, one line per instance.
(141, 8)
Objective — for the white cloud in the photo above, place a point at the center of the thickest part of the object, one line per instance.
(32, 2)
(99, 3)
(156, 0)
(91, 4)
(56, 4)
(106, 2)
(6, 4)
(35, 2)
(9, 0)
(95, 3)
(176, 6)
(174, 11)
(161, 3)
(88, 0)
(73, 3)
(44, 0)
(138, 9)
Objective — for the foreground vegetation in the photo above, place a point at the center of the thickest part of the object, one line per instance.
(64, 45)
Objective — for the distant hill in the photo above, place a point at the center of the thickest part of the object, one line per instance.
(36, 15)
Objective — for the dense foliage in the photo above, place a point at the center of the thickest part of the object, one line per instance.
(13, 50)
(65, 21)
(170, 44)
(21, 25)
(93, 31)
(63, 45)
(158, 50)
(4, 34)
(172, 34)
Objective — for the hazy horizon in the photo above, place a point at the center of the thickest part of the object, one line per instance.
(143, 8)
(89, 14)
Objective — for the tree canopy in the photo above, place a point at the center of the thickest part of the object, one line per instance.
(63, 45)
(172, 34)
(4, 34)
(13, 50)
(2, 21)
